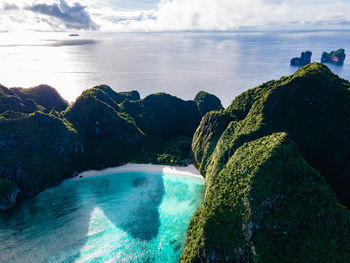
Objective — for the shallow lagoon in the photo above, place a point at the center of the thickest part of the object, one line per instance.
(121, 217)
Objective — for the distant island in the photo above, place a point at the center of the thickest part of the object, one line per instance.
(276, 161)
(303, 60)
(335, 57)
(74, 35)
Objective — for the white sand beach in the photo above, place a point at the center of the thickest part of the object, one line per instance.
(189, 170)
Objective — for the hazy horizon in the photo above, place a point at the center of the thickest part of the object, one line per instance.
(182, 64)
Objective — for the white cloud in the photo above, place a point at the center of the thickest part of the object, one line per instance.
(172, 15)
(234, 14)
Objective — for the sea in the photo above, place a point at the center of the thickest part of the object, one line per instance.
(121, 217)
(179, 63)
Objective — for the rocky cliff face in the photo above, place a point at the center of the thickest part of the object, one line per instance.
(336, 57)
(44, 96)
(207, 102)
(263, 201)
(305, 58)
(8, 194)
(37, 151)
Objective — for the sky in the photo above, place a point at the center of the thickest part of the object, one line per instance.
(171, 15)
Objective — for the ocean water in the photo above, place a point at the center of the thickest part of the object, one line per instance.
(181, 64)
(121, 217)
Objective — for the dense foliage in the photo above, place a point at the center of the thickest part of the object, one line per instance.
(163, 116)
(43, 95)
(109, 136)
(268, 205)
(207, 102)
(37, 151)
(311, 106)
(43, 141)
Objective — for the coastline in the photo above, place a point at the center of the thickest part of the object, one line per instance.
(189, 170)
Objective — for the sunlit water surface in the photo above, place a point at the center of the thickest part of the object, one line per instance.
(123, 217)
(182, 64)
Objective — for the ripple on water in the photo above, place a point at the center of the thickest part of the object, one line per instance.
(109, 218)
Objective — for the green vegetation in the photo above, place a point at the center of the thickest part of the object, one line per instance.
(268, 205)
(336, 57)
(163, 116)
(304, 59)
(174, 151)
(119, 97)
(231, 150)
(43, 141)
(44, 96)
(9, 101)
(37, 151)
(207, 102)
(109, 136)
(130, 95)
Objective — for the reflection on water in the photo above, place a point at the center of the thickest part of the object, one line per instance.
(110, 218)
(178, 63)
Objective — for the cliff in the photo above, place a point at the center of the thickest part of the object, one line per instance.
(304, 59)
(336, 57)
(37, 150)
(207, 102)
(42, 141)
(268, 160)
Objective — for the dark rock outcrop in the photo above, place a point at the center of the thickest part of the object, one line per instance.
(119, 97)
(109, 136)
(8, 194)
(10, 101)
(304, 59)
(336, 57)
(163, 116)
(37, 151)
(207, 102)
(42, 95)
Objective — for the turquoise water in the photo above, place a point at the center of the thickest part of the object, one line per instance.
(119, 217)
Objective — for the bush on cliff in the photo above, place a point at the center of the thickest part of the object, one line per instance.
(312, 106)
(268, 205)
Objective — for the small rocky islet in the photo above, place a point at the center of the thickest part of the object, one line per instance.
(334, 57)
(276, 162)
(305, 58)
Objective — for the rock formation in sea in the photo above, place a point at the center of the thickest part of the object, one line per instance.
(336, 57)
(304, 59)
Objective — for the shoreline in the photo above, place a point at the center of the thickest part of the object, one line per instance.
(189, 170)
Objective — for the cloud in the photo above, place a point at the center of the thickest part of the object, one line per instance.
(172, 15)
(74, 16)
(235, 14)
(9, 7)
